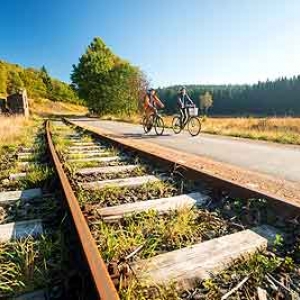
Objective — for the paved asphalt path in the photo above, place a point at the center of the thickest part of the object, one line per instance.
(280, 161)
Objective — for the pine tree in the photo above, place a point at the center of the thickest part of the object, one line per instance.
(47, 80)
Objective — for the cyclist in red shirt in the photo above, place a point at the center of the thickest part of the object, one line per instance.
(152, 103)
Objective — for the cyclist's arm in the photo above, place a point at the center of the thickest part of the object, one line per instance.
(159, 102)
(180, 102)
(190, 100)
(148, 103)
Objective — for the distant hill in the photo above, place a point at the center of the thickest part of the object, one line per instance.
(38, 84)
(278, 97)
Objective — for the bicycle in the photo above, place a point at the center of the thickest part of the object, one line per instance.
(193, 122)
(156, 121)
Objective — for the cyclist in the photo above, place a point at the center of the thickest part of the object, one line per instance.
(152, 103)
(182, 100)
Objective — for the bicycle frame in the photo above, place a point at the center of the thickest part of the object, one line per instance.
(155, 114)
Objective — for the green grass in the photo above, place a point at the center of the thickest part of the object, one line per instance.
(143, 290)
(258, 268)
(36, 176)
(138, 171)
(110, 196)
(26, 265)
(45, 208)
(158, 233)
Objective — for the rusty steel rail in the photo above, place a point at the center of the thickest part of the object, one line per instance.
(103, 283)
(282, 206)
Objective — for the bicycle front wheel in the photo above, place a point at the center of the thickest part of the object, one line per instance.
(159, 125)
(176, 125)
(194, 126)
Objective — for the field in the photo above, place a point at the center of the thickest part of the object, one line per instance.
(279, 130)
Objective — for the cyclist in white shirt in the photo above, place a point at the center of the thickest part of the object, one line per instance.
(184, 102)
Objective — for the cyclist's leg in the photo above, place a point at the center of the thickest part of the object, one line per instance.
(186, 116)
(182, 117)
(149, 114)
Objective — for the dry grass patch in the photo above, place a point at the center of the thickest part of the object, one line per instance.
(281, 130)
(45, 107)
(16, 130)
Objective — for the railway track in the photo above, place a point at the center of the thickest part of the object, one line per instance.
(149, 231)
(30, 259)
(35, 249)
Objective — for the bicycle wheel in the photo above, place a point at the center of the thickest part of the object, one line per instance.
(159, 125)
(176, 125)
(147, 123)
(194, 126)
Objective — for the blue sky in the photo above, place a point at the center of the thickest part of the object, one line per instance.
(173, 41)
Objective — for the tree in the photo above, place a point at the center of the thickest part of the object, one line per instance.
(92, 68)
(15, 83)
(34, 83)
(38, 83)
(3, 78)
(107, 83)
(206, 101)
(46, 79)
(62, 92)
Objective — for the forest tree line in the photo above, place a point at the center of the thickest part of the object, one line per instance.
(111, 85)
(279, 97)
(38, 83)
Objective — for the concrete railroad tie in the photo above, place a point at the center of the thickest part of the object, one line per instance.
(6, 197)
(191, 264)
(17, 176)
(87, 154)
(96, 159)
(130, 182)
(84, 144)
(163, 205)
(107, 170)
(19, 230)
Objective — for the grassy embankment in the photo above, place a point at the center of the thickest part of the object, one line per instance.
(279, 130)
(12, 128)
(47, 108)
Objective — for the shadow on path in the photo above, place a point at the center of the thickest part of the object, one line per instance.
(143, 136)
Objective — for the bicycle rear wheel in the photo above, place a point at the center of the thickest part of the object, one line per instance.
(147, 123)
(159, 125)
(176, 125)
(194, 126)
